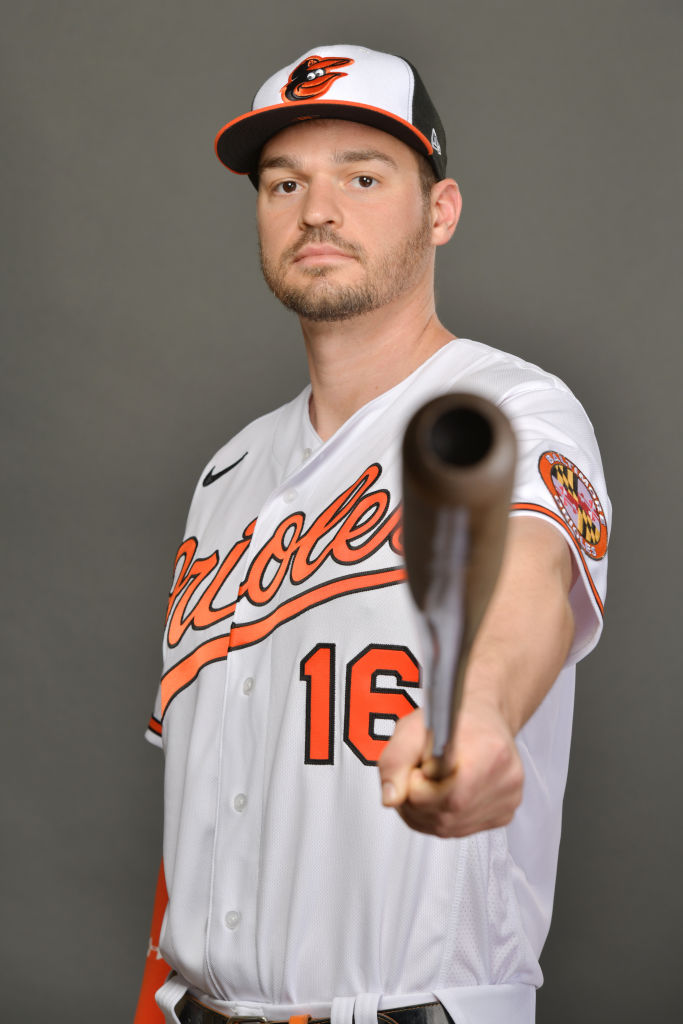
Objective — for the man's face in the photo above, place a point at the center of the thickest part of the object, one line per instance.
(344, 227)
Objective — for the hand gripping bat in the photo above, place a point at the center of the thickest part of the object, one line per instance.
(459, 456)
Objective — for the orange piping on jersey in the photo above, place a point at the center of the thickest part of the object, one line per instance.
(154, 726)
(248, 633)
(529, 507)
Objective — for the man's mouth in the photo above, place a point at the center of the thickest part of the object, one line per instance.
(321, 254)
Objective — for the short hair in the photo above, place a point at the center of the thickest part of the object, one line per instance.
(427, 176)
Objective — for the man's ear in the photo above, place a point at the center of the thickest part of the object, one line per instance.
(446, 204)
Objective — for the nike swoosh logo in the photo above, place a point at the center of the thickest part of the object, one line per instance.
(211, 477)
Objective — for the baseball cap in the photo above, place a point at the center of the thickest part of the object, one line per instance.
(348, 82)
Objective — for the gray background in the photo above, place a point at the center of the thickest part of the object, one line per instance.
(137, 337)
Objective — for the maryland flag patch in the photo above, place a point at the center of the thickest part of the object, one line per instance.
(577, 501)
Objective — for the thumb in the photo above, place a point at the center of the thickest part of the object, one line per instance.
(402, 754)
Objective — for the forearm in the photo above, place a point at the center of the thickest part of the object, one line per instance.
(528, 629)
(519, 652)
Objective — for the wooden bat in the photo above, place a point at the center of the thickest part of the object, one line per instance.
(459, 455)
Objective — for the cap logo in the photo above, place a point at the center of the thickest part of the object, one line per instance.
(436, 145)
(312, 78)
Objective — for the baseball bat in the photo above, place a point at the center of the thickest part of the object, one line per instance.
(459, 456)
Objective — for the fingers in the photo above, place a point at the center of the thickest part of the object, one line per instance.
(399, 759)
(468, 801)
(482, 793)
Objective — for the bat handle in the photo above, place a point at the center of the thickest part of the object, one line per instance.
(437, 766)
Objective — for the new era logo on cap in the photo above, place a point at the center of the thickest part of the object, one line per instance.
(349, 82)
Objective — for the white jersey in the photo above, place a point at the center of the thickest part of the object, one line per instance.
(290, 650)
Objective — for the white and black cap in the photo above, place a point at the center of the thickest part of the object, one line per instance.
(347, 82)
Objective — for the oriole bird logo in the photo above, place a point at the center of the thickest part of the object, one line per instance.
(313, 77)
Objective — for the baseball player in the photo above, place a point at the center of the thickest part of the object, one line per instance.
(303, 881)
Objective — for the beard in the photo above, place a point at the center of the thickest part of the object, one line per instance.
(321, 299)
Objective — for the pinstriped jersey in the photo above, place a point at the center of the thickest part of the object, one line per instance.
(290, 651)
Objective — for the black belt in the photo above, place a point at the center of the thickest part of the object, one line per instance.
(190, 1011)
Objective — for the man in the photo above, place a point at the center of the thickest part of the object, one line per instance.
(291, 647)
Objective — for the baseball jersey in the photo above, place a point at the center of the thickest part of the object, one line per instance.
(291, 648)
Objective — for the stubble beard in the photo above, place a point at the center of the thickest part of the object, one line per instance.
(323, 300)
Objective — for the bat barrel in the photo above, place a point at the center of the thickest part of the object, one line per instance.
(461, 435)
(458, 450)
(458, 468)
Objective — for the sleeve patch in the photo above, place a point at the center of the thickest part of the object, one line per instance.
(577, 502)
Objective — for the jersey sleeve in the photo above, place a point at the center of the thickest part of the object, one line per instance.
(560, 479)
(153, 730)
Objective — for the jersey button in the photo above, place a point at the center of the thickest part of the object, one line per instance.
(307, 452)
(289, 496)
(240, 802)
(248, 685)
(232, 919)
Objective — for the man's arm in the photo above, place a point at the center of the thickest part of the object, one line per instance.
(518, 653)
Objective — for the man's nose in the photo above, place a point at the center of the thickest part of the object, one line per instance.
(321, 204)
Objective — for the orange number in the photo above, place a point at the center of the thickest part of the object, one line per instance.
(317, 671)
(368, 702)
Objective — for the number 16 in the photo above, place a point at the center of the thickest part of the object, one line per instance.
(366, 701)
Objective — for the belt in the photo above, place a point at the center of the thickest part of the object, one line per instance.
(190, 1011)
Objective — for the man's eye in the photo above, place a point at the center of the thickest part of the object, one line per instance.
(286, 186)
(365, 180)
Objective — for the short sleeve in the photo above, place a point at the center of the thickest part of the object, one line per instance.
(560, 479)
(153, 731)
